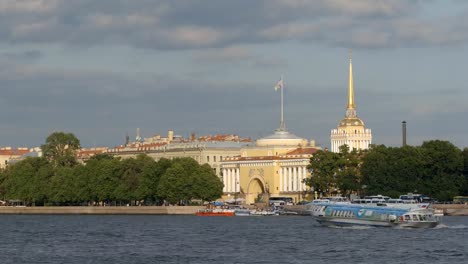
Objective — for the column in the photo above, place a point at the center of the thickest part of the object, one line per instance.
(281, 179)
(294, 179)
(237, 179)
(224, 180)
(304, 175)
(233, 180)
(288, 187)
(229, 181)
(285, 179)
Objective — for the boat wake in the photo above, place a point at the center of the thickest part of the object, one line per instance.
(353, 227)
(451, 227)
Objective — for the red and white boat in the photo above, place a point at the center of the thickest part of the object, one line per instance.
(216, 212)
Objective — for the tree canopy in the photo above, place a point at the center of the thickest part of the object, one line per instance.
(58, 179)
(436, 168)
(60, 148)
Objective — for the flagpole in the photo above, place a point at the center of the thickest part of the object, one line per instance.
(282, 126)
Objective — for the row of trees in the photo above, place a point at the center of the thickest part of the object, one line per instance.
(436, 168)
(57, 178)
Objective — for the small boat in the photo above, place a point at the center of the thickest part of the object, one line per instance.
(215, 212)
(264, 213)
(418, 219)
(241, 212)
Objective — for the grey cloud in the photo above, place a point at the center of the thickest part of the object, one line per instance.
(29, 55)
(184, 24)
(100, 107)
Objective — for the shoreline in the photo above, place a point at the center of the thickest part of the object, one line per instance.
(100, 210)
(448, 209)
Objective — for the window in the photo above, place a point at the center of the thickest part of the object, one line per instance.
(214, 158)
(207, 158)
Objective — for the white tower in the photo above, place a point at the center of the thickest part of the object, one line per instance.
(351, 130)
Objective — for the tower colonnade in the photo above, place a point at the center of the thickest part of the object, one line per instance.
(359, 140)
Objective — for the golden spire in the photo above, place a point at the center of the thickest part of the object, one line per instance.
(351, 88)
(351, 109)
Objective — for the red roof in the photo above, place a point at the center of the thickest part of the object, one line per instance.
(303, 151)
(13, 152)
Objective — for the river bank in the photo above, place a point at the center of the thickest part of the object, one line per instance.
(448, 209)
(453, 209)
(102, 210)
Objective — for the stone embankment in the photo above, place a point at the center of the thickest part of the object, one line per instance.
(453, 209)
(102, 210)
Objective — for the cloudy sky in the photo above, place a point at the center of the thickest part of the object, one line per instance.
(101, 69)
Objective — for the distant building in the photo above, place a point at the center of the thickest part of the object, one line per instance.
(85, 154)
(351, 130)
(206, 149)
(9, 155)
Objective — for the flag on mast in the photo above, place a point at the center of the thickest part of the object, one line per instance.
(279, 84)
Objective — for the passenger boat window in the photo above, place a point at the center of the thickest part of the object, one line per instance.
(407, 217)
(415, 218)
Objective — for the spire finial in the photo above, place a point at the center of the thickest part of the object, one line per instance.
(351, 109)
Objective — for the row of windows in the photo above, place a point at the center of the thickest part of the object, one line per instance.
(342, 213)
(214, 158)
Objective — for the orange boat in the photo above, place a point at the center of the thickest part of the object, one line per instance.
(215, 212)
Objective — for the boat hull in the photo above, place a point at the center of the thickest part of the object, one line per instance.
(351, 222)
(214, 213)
(418, 224)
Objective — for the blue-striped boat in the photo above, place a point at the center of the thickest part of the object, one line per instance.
(356, 214)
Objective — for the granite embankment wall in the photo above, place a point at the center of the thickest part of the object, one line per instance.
(103, 210)
(453, 209)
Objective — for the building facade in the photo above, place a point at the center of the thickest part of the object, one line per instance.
(276, 166)
(351, 130)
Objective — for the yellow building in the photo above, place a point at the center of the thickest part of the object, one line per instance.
(275, 166)
(351, 129)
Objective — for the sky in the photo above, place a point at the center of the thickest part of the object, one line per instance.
(102, 69)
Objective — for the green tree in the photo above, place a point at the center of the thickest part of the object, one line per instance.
(206, 185)
(174, 185)
(60, 149)
(464, 190)
(392, 171)
(348, 178)
(444, 169)
(63, 187)
(323, 165)
(103, 178)
(28, 180)
(150, 176)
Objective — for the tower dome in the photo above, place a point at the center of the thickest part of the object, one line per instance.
(350, 121)
(281, 138)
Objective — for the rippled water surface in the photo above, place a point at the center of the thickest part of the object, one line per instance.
(192, 239)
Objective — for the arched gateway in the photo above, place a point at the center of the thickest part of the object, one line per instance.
(256, 190)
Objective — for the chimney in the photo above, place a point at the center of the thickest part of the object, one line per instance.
(403, 127)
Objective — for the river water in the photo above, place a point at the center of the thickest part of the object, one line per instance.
(192, 239)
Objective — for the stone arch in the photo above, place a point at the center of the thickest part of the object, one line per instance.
(255, 188)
